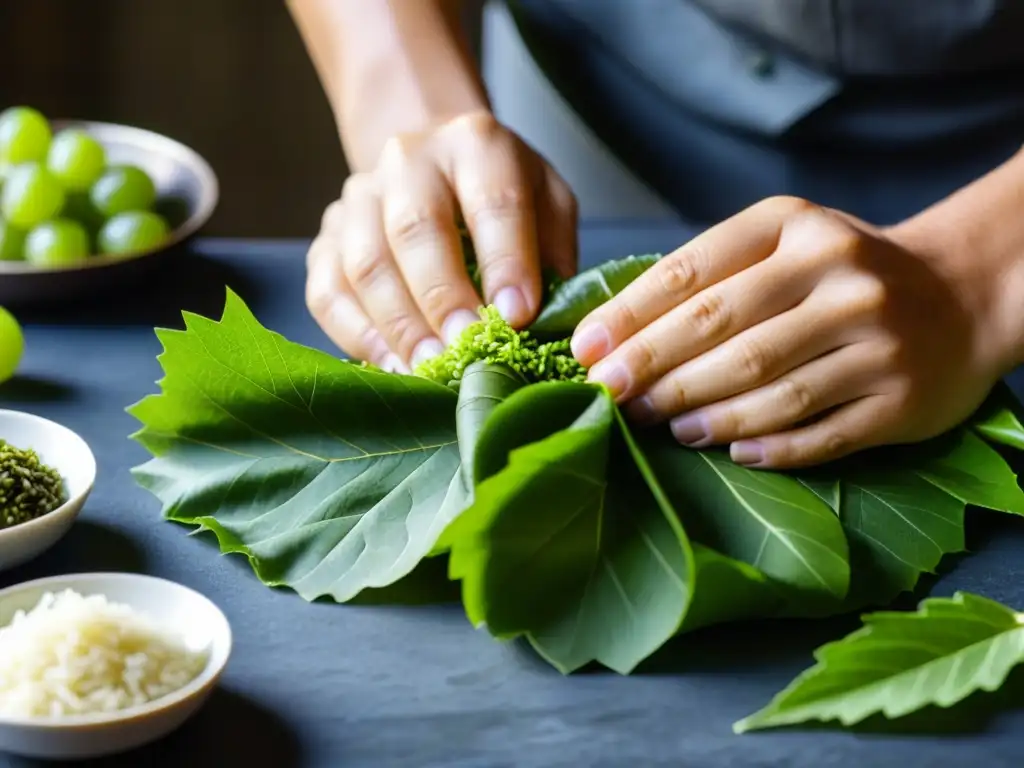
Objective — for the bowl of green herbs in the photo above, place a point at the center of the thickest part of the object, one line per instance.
(46, 474)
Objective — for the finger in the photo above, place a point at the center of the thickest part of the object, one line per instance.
(376, 281)
(821, 323)
(422, 234)
(712, 318)
(557, 216)
(496, 198)
(330, 301)
(722, 251)
(822, 384)
(862, 424)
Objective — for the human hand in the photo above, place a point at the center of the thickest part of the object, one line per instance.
(386, 278)
(798, 335)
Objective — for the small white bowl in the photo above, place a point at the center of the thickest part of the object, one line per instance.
(67, 453)
(81, 737)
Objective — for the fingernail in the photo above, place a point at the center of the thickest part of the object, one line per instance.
(425, 350)
(456, 323)
(690, 429)
(641, 411)
(747, 452)
(590, 343)
(613, 375)
(393, 364)
(511, 306)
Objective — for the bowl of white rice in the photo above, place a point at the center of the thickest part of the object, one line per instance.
(100, 663)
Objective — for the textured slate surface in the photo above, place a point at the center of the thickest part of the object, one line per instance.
(332, 686)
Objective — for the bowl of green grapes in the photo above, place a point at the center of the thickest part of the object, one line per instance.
(82, 203)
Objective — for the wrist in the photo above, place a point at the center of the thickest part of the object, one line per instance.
(974, 240)
(382, 100)
(408, 69)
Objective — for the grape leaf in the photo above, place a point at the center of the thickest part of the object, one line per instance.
(331, 478)
(571, 508)
(903, 509)
(767, 520)
(998, 419)
(901, 662)
(581, 294)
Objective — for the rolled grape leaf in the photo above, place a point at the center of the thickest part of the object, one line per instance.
(484, 386)
(580, 295)
(899, 663)
(330, 477)
(767, 520)
(566, 543)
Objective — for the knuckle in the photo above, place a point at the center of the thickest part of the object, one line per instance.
(834, 444)
(503, 204)
(437, 299)
(677, 274)
(709, 316)
(893, 355)
(790, 205)
(620, 318)
(399, 150)
(843, 243)
(754, 362)
(642, 358)
(672, 396)
(872, 298)
(413, 225)
(500, 266)
(480, 124)
(364, 266)
(797, 396)
(402, 329)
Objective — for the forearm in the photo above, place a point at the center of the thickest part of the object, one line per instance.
(979, 233)
(389, 67)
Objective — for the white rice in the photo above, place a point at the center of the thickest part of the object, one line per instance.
(75, 655)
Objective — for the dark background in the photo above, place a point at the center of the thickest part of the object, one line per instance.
(230, 78)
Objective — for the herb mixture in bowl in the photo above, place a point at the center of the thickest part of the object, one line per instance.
(29, 488)
(85, 655)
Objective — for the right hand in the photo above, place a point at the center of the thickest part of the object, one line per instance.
(386, 278)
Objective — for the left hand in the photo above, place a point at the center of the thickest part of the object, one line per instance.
(798, 335)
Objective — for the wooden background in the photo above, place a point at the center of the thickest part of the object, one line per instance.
(230, 78)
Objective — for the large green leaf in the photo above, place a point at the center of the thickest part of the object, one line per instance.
(581, 294)
(767, 520)
(903, 509)
(899, 663)
(566, 542)
(898, 526)
(330, 477)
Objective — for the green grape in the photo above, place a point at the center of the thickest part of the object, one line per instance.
(132, 232)
(76, 159)
(24, 136)
(57, 243)
(12, 242)
(30, 195)
(122, 188)
(12, 345)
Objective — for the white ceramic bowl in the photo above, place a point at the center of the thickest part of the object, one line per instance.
(81, 737)
(187, 195)
(67, 453)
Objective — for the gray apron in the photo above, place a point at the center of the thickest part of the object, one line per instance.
(877, 107)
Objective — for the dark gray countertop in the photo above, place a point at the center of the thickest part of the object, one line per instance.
(331, 686)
